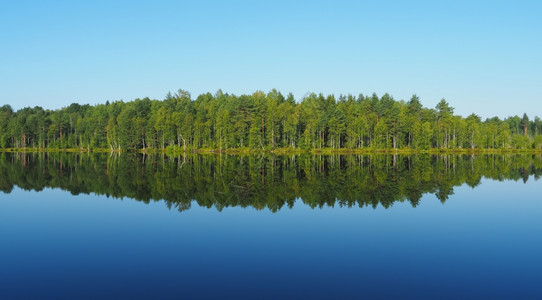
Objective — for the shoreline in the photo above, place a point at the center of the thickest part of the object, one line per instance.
(280, 151)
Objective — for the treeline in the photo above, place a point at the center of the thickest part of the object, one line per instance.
(263, 121)
(262, 182)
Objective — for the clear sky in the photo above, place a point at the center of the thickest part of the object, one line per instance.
(481, 56)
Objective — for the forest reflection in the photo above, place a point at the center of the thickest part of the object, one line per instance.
(262, 182)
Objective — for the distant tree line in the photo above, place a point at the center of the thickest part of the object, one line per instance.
(262, 182)
(263, 121)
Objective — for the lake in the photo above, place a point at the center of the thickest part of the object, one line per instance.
(87, 226)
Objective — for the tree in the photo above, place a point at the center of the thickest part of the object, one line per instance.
(127, 130)
(525, 124)
(261, 121)
(474, 134)
(426, 134)
(444, 109)
(6, 113)
(444, 115)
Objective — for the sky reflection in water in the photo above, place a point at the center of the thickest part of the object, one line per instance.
(482, 242)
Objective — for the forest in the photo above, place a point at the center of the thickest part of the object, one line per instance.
(262, 122)
(268, 182)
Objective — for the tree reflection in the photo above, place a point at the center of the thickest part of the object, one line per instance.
(262, 182)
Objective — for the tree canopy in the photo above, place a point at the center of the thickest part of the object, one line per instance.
(263, 121)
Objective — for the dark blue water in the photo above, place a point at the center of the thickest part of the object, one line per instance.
(482, 243)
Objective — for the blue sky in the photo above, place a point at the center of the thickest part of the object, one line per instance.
(481, 56)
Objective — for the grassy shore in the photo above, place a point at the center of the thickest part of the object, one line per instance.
(278, 151)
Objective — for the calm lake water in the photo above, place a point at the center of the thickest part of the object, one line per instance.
(94, 226)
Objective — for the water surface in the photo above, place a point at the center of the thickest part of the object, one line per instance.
(270, 227)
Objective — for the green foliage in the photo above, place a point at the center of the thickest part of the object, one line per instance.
(262, 122)
(521, 141)
(537, 144)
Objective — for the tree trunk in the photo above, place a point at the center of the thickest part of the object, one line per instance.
(184, 142)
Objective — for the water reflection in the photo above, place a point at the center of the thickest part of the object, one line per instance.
(262, 182)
